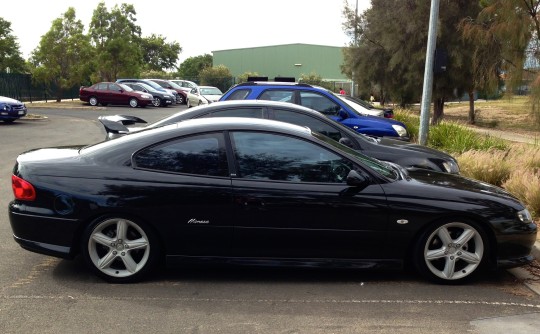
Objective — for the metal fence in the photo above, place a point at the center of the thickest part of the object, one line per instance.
(21, 87)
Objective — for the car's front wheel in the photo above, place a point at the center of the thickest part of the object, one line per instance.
(156, 102)
(119, 249)
(180, 99)
(451, 252)
(133, 102)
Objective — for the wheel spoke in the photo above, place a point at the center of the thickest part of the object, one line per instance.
(435, 254)
(121, 229)
(130, 264)
(467, 235)
(444, 235)
(102, 239)
(449, 268)
(137, 244)
(106, 261)
(469, 257)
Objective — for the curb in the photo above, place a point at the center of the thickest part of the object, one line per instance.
(530, 280)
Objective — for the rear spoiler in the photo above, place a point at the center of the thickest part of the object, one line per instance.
(116, 124)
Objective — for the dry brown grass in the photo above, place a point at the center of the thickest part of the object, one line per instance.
(488, 166)
(525, 185)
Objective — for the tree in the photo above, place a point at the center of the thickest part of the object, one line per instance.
(63, 55)
(244, 76)
(218, 76)
(10, 55)
(314, 79)
(117, 39)
(158, 55)
(509, 31)
(388, 49)
(192, 66)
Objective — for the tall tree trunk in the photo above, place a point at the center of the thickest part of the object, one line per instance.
(471, 119)
(438, 111)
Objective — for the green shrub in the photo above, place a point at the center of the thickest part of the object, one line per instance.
(411, 121)
(455, 138)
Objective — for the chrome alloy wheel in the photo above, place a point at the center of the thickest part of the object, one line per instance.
(118, 247)
(453, 251)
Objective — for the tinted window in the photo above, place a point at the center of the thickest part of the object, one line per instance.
(114, 87)
(265, 156)
(202, 154)
(305, 120)
(319, 102)
(277, 95)
(239, 112)
(101, 86)
(240, 94)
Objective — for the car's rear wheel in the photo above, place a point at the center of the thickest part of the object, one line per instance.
(156, 102)
(133, 102)
(119, 249)
(93, 101)
(451, 252)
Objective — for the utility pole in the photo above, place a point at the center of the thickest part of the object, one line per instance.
(428, 72)
(355, 43)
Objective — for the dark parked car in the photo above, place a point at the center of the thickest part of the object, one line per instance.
(105, 93)
(161, 99)
(181, 98)
(397, 151)
(151, 84)
(11, 109)
(322, 100)
(260, 192)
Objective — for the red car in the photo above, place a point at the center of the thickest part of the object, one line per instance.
(181, 98)
(113, 93)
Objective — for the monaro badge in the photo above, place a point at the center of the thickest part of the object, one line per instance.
(195, 221)
(402, 221)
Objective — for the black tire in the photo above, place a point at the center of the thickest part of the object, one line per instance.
(156, 102)
(133, 102)
(93, 101)
(180, 99)
(104, 104)
(120, 249)
(451, 252)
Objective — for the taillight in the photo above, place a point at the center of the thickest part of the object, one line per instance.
(22, 189)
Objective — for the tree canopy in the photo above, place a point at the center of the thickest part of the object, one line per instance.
(158, 55)
(10, 54)
(192, 66)
(64, 54)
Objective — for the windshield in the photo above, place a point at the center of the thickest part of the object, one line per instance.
(154, 85)
(174, 85)
(375, 165)
(211, 91)
(356, 107)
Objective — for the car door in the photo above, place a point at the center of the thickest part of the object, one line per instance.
(117, 95)
(192, 193)
(293, 202)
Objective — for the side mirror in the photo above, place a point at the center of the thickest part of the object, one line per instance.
(343, 114)
(346, 141)
(356, 179)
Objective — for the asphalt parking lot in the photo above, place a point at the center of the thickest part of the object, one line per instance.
(41, 294)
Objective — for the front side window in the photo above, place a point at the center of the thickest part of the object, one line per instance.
(114, 87)
(200, 154)
(305, 120)
(267, 156)
(319, 102)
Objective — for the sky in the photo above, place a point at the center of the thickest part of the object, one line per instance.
(199, 26)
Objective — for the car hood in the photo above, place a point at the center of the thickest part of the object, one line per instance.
(408, 147)
(9, 100)
(430, 183)
(212, 98)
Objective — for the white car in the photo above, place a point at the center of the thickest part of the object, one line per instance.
(360, 108)
(202, 95)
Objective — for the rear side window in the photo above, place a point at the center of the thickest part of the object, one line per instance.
(278, 95)
(240, 94)
(201, 154)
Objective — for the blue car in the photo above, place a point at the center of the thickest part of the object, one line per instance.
(322, 100)
(11, 109)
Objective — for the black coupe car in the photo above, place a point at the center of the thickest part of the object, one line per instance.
(397, 151)
(259, 192)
